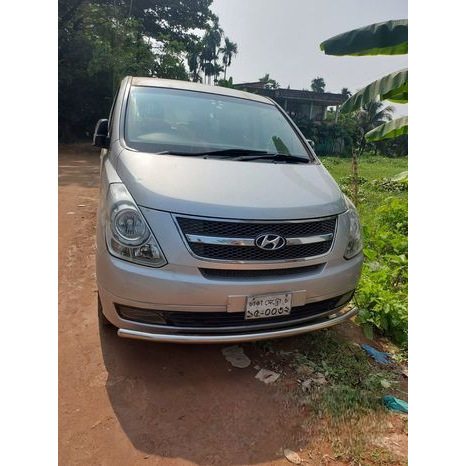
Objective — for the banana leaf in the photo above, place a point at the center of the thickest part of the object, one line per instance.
(392, 129)
(387, 38)
(400, 95)
(393, 87)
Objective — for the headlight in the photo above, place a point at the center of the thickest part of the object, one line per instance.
(128, 234)
(355, 236)
(129, 226)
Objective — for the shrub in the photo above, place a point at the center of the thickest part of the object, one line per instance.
(383, 290)
(348, 180)
(393, 215)
(386, 184)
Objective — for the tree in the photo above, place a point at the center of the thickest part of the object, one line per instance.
(318, 85)
(97, 47)
(169, 62)
(371, 115)
(226, 83)
(168, 20)
(209, 55)
(216, 70)
(229, 50)
(204, 55)
(393, 147)
(193, 58)
(101, 41)
(346, 93)
(269, 82)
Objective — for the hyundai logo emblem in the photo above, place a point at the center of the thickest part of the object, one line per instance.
(270, 242)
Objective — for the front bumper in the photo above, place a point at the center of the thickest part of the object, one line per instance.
(333, 319)
(181, 287)
(321, 315)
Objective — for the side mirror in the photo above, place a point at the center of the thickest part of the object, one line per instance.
(311, 143)
(101, 138)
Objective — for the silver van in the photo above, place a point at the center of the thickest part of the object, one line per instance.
(217, 223)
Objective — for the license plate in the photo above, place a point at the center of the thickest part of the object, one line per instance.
(268, 305)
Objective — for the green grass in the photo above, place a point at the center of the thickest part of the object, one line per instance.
(370, 168)
(345, 412)
(354, 385)
(382, 292)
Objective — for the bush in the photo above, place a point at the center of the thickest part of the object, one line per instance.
(329, 137)
(386, 184)
(394, 147)
(348, 180)
(394, 216)
(382, 296)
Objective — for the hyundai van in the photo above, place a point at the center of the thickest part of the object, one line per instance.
(217, 223)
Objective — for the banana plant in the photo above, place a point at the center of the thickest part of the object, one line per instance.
(391, 129)
(386, 38)
(393, 87)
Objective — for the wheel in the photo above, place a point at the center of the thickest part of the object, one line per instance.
(102, 319)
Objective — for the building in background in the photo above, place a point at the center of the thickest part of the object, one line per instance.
(299, 104)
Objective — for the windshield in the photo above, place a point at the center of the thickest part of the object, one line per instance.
(159, 120)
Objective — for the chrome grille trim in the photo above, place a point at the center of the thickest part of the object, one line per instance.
(220, 240)
(251, 241)
(318, 229)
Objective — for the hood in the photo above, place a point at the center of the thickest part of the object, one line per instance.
(229, 189)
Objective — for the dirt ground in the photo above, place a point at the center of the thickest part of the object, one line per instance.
(129, 402)
(125, 402)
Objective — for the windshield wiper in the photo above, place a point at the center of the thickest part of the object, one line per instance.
(237, 155)
(221, 152)
(276, 157)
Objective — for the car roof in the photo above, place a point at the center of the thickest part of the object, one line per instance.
(190, 86)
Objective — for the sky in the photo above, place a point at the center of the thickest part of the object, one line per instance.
(282, 38)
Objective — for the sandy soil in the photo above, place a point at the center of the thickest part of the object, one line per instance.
(125, 402)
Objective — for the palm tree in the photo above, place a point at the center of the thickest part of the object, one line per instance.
(229, 50)
(269, 82)
(318, 85)
(208, 68)
(207, 57)
(211, 42)
(216, 70)
(346, 93)
(370, 116)
(194, 61)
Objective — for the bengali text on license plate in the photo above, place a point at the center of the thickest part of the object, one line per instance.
(263, 306)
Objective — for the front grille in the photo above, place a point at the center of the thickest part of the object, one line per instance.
(234, 229)
(237, 253)
(226, 274)
(251, 230)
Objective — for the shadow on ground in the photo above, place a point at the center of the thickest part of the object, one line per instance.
(184, 401)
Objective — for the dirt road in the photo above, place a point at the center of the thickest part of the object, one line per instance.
(124, 402)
